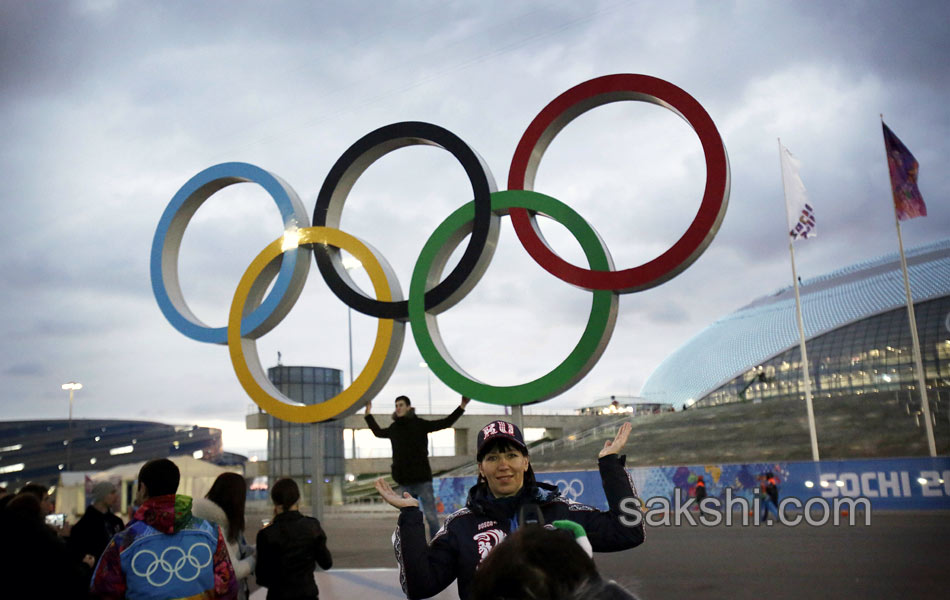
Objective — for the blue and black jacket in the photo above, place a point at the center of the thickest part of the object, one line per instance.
(469, 534)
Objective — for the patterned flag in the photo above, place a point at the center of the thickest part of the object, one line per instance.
(908, 203)
(801, 216)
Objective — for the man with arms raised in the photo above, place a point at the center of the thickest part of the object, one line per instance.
(409, 436)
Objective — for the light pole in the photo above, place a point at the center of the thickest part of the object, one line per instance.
(350, 263)
(425, 366)
(72, 386)
(349, 329)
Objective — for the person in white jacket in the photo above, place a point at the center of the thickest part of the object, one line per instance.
(224, 505)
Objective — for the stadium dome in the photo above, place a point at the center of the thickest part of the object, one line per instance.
(38, 451)
(856, 329)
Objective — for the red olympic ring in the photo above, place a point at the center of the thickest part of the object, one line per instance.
(575, 102)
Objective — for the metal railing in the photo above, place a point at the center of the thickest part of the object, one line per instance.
(580, 438)
(472, 409)
(387, 452)
(552, 446)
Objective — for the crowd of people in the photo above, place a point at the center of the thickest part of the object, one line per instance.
(174, 546)
(516, 537)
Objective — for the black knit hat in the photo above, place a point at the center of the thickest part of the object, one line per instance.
(499, 430)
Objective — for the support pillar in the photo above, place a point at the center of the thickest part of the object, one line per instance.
(461, 442)
(317, 485)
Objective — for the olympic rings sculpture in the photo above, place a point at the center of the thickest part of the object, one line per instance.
(285, 262)
(172, 569)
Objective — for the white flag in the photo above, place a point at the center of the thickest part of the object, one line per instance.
(801, 216)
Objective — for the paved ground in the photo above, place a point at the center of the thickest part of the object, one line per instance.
(899, 555)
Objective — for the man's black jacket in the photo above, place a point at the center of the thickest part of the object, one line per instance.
(409, 438)
(92, 533)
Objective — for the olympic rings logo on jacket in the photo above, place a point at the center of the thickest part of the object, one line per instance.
(285, 262)
(189, 560)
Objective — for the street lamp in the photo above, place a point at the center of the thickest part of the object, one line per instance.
(351, 263)
(425, 366)
(72, 386)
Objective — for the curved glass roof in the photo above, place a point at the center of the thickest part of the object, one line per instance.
(767, 326)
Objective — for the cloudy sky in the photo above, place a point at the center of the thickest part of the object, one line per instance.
(108, 107)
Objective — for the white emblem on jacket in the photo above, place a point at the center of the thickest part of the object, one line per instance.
(487, 540)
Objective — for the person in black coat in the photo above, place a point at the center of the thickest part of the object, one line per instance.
(409, 436)
(290, 548)
(91, 535)
(700, 492)
(769, 488)
(34, 560)
(544, 562)
(504, 498)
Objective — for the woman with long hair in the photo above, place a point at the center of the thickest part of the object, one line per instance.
(224, 505)
(290, 548)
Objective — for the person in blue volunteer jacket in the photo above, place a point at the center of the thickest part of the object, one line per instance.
(165, 553)
(504, 494)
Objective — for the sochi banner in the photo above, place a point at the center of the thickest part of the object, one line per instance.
(887, 483)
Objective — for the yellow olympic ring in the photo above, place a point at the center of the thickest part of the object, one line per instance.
(243, 350)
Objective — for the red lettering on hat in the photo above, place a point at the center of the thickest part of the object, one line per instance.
(489, 430)
(503, 426)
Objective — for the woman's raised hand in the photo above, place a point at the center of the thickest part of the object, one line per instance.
(390, 496)
(614, 446)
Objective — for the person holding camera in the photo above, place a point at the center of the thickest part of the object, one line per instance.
(34, 559)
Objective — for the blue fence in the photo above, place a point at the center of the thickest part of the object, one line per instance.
(888, 483)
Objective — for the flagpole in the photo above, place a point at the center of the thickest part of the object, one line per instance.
(921, 381)
(801, 324)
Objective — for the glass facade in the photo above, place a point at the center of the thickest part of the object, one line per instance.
(857, 332)
(871, 355)
(290, 446)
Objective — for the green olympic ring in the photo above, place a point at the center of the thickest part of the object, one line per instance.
(425, 328)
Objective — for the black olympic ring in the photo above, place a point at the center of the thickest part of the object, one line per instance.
(343, 175)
